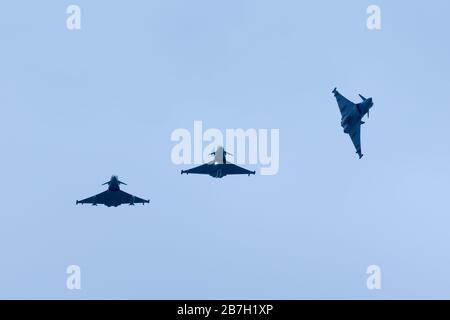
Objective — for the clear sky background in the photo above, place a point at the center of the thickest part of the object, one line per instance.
(79, 106)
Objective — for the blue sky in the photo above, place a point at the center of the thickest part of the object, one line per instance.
(79, 106)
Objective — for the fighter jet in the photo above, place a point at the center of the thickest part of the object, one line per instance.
(113, 197)
(352, 114)
(219, 167)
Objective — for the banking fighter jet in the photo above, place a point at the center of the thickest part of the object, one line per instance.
(352, 114)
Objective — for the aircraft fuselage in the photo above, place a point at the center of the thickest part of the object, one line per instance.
(355, 116)
(114, 184)
(217, 170)
(350, 120)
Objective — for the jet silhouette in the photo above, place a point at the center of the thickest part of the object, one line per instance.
(113, 197)
(352, 115)
(219, 167)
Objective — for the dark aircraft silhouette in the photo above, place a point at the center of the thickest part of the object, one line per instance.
(352, 115)
(113, 197)
(219, 167)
